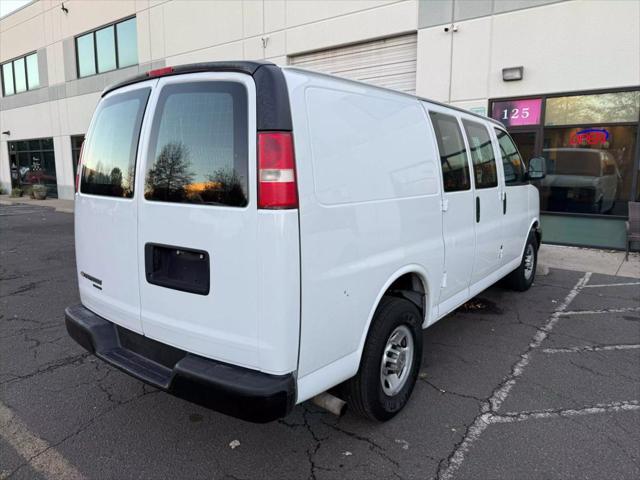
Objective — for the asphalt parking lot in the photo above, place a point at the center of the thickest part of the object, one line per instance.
(537, 385)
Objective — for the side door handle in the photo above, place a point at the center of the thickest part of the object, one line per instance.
(504, 204)
(477, 209)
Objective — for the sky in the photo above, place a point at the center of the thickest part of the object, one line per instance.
(8, 6)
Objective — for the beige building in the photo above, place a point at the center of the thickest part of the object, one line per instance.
(571, 84)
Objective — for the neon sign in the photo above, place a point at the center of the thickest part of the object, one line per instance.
(590, 136)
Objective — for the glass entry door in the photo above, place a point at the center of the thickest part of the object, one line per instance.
(33, 162)
(526, 143)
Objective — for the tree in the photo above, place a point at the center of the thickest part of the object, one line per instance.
(170, 173)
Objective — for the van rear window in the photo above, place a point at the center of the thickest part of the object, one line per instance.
(109, 157)
(198, 148)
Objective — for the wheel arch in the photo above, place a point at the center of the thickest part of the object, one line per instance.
(419, 281)
(534, 226)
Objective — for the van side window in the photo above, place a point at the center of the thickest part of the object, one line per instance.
(511, 159)
(109, 158)
(198, 150)
(453, 155)
(484, 160)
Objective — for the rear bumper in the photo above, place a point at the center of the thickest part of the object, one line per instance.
(229, 389)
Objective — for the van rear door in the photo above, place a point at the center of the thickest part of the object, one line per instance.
(198, 217)
(106, 208)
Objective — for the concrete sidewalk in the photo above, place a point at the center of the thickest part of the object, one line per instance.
(608, 262)
(57, 203)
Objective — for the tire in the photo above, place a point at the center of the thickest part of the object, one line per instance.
(522, 278)
(365, 392)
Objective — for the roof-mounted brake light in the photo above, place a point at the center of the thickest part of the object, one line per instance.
(158, 72)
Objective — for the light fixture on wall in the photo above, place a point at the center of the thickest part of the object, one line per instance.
(512, 74)
(63, 8)
(7, 132)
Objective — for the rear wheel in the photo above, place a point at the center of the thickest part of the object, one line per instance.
(390, 361)
(522, 278)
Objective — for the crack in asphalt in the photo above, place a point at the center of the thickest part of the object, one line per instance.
(79, 430)
(49, 367)
(500, 392)
(451, 392)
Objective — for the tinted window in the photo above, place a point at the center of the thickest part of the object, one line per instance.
(20, 75)
(76, 147)
(109, 160)
(511, 159)
(589, 170)
(106, 48)
(7, 78)
(595, 108)
(127, 43)
(453, 155)
(33, 162)
(198, 144)
(32, 71)
(482, 156)
(86, 55)
(109, 48)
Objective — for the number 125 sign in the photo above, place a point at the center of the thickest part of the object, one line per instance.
(517, 112)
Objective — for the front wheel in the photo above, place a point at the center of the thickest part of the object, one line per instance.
(522, 278)
(390, 361)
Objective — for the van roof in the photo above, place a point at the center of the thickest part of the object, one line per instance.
(271, 92)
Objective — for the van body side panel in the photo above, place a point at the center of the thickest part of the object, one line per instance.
(369, 205)
(516, 221)
(278, 290)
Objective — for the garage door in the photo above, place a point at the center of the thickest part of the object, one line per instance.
(390, 62)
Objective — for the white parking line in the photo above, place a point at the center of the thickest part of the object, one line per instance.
(612, 285)
(500, 395)
(565, 412)
(605, 310)
(591, 348)
(40, 456)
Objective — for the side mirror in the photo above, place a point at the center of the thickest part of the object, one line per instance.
(537, 168)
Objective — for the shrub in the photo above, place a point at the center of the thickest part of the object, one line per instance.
(39, 192)
(16, 192)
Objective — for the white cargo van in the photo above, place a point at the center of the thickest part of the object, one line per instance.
(250, 236)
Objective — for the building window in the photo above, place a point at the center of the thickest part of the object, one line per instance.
(76, 147)
(589, 143)
(20, 75)
(589, 170)
(617, 107)
(32, 162)
(108, 48)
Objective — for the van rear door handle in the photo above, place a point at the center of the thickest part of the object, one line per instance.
(477, 209)
(504, 203)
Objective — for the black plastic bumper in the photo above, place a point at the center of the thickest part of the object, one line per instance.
(229, 389)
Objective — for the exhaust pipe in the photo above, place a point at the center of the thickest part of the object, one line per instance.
(330, 403)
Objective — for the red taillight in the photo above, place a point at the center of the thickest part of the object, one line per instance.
(276, 171)
(158, 72)
(79, 167)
